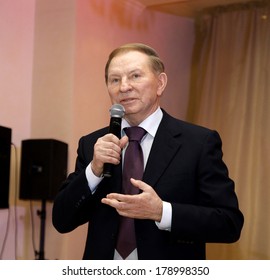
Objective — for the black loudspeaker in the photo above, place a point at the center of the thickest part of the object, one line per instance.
(5, 149)
(43, 168)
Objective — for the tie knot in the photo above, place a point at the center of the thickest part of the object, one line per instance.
(135, 133)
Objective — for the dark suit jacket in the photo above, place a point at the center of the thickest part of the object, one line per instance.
(185, 168)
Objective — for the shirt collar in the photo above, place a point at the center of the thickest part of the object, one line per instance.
(150, 124)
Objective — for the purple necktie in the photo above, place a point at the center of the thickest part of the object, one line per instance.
(133, 168)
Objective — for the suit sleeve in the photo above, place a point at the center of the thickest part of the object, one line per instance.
(215, 217)
(74, 196)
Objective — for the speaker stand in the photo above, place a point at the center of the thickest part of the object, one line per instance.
(42, 214)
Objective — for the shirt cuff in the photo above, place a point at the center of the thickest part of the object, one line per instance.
(92, 179)
(166, 219)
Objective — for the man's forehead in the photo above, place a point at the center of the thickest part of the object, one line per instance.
(129, 60)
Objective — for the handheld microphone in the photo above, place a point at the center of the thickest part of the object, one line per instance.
(117, 111)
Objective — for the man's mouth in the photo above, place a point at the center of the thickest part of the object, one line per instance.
(127, 101)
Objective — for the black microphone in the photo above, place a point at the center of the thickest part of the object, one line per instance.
(117, 112)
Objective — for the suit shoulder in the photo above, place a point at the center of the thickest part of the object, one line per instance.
(193, 134)
(185, 126)
(195, 128)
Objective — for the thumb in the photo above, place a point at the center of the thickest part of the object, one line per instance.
(139, 184)
(123, 141)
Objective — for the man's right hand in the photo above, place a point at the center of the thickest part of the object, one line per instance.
(107, 149)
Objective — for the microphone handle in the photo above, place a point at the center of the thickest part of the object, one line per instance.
(114, 128)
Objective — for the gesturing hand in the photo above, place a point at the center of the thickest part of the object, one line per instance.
(146, 205)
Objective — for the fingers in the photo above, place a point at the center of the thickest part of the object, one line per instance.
(124, 204)
(107, 150)
(117, 197)
(128, 198)
(146, 205)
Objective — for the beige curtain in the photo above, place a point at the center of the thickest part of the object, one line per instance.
(230, 92)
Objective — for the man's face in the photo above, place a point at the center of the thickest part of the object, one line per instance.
(133, 84)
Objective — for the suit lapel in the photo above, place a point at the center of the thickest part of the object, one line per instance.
(166, 143)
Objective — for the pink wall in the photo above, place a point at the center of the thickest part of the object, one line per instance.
(16, 67)
(52, 80)
(17, 20)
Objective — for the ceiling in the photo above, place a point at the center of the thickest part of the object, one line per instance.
(185, 8)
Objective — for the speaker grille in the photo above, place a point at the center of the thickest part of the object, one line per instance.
(43, 168)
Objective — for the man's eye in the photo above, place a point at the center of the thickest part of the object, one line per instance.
(135, 76)
(114, 81)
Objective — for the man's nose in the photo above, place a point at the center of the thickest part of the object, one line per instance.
(125, 85)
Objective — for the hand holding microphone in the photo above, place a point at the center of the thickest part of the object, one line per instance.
(107, 150)
(117, 112)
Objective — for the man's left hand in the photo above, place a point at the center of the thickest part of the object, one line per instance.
(145, 205)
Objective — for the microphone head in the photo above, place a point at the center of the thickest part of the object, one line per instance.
(117, 111)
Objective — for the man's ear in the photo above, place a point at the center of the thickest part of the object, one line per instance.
(162, 82)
